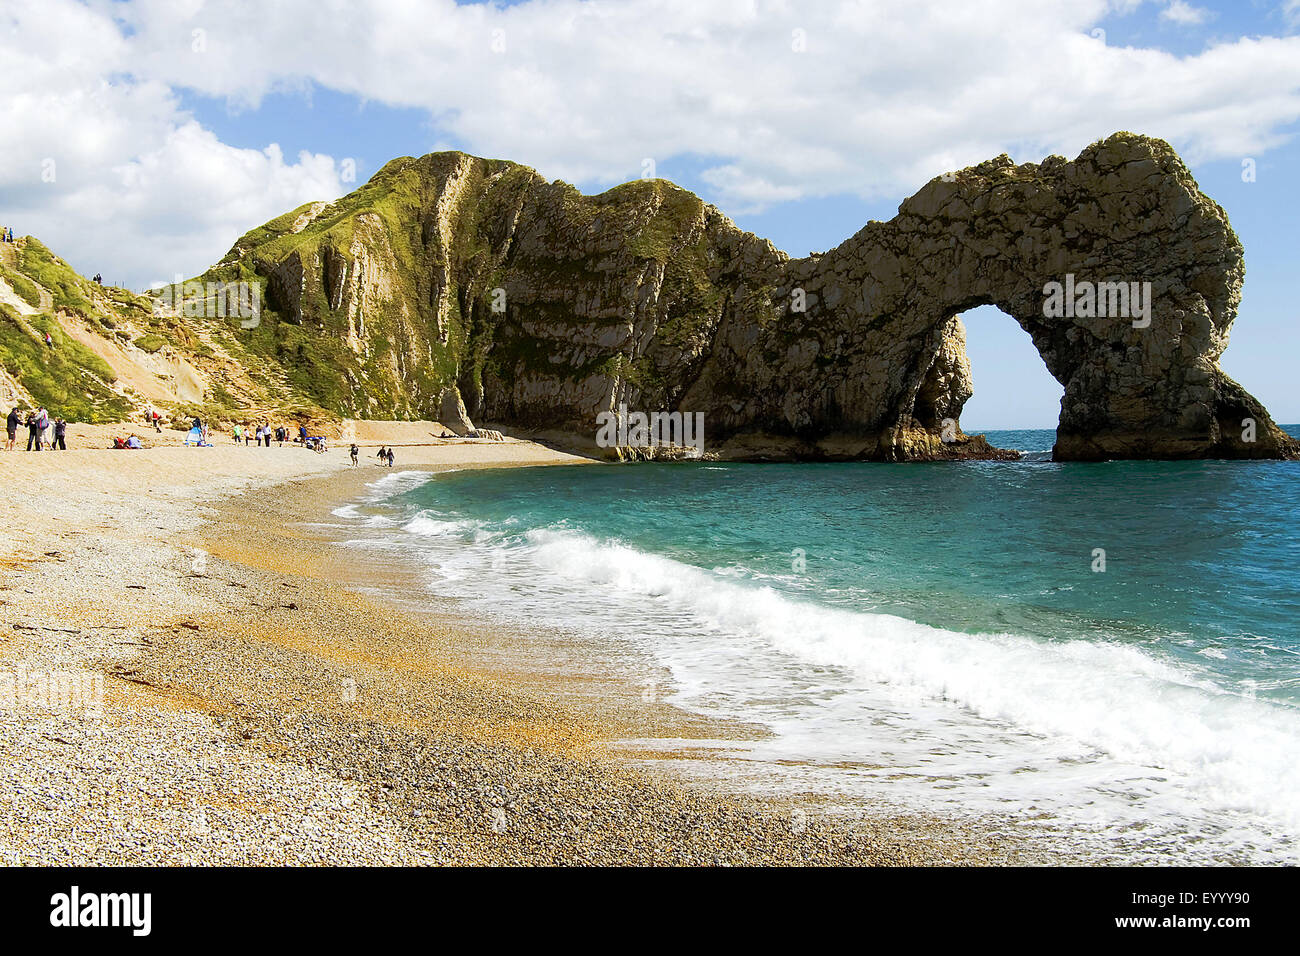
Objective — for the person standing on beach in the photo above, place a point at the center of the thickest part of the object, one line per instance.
(60, 435)
(390, 458)
(354, 451)
(381, 454)
(11, 429)
(33, 434)
(238, 433)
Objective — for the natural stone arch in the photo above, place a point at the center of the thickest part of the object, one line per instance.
(950, 380)
(879, 331)
(646, 296)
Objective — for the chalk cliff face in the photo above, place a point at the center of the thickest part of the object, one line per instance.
(453, 282)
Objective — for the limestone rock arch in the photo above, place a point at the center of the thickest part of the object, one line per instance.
(876, 359)
(645, 296)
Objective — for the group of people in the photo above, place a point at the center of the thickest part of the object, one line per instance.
(263, 434)
(385, 455)
(6, 234)
(43, 432)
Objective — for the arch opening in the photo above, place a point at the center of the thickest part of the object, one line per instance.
(1011, 386)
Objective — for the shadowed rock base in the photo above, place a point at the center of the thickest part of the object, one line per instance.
(1239, 428)
(912, 444)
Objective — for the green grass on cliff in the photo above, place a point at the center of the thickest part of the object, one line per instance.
(270, 231)
(65, 285)
(22, 285)
(394, 194)
(73, 381)
(314, 365)
(400, 377)
(68, 379)
(675, 208)
(411, 351)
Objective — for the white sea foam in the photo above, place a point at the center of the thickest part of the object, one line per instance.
(1102, 731)
(426, 525)
(394, 484)
(379, 491)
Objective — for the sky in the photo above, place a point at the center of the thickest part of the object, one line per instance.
(139, 139)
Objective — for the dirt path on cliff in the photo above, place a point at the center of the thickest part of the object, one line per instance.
(12, 299)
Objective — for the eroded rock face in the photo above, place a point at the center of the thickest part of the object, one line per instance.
(451, 412)
(542, 307)
(1126, 211)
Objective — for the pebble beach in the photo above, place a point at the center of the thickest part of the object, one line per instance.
(188, 678)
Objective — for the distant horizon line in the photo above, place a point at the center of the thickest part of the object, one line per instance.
(972, 430)
(1008, 428)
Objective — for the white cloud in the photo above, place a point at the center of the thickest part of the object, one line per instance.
(109, 171)
(1183, 13)
(883, 96)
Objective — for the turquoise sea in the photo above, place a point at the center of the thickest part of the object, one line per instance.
(1111, 647)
